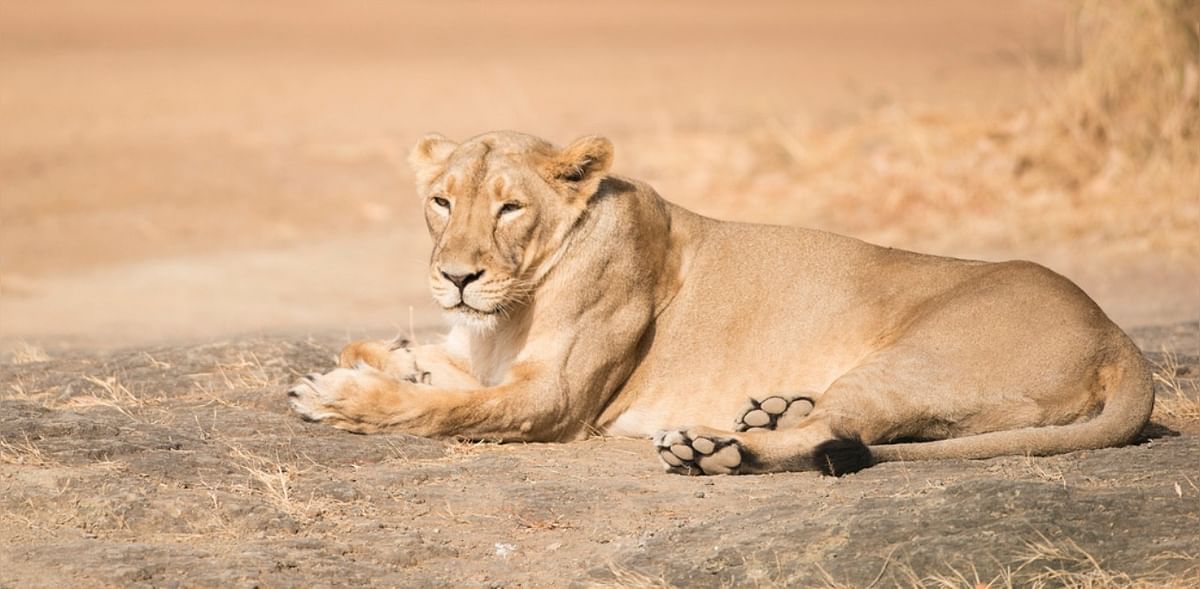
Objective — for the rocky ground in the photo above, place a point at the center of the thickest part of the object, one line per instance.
(181, 466)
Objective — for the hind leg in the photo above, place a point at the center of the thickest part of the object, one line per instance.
(706, 451)
(886, 397)
(781, 433)
(898, 393)
(711, 451)
(1020, 348)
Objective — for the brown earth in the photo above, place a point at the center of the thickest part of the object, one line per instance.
(177, 172)
(181, 466)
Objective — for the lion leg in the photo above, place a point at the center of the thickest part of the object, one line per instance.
(898, 394)
(367, 400)
(376, 353)
(429, 364)
(780, 433)
(361, 399)
(706, 451)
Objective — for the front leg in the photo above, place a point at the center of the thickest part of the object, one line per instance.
(567, 364)
(429, 364)
(367, 400)
(361, 399)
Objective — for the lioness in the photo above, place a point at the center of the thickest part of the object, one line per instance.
(583, 302)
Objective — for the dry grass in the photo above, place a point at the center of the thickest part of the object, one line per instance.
(1137, 96)
(27, 353)
(1125, 129)
(272, 479)
(1108, 159)
(624, 578)
(954, 578)
(23, 453)
(114, 391)
(1044, 563)
(17, 390)
(1039, 468)
(247, 373)
(1182, 401)
(1064, 563)
(110, 392)
(539, 523)
(275, 479)
(831, 583)
(462, 448)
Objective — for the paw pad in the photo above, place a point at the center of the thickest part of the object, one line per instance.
(772, 412)
(687, 453)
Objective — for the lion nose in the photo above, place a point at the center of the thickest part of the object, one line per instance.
(462, 280)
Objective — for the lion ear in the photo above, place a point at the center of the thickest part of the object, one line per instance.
(582, 164)
(429, 155)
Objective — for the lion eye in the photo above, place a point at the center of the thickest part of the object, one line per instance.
(441, 202)
(510, 207)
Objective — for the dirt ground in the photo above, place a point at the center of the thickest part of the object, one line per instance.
(181, 467)
(186, 171)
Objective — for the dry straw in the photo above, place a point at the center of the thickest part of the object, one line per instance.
(1104, 160)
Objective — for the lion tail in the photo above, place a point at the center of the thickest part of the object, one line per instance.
(1129, 400)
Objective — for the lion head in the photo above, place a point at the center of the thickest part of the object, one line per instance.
(500, 208)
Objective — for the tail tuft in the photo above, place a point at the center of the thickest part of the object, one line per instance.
(842, 456)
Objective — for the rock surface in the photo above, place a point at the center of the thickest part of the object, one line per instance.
(173, 467)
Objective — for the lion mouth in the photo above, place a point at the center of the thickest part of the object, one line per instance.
(462, 307)
(475, 319)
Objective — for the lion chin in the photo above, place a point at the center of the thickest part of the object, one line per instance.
(477, 321)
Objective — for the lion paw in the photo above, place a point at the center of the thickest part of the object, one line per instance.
(343, 397)
(773, 412)
(694, 452)
(316, 395)
(395, 357)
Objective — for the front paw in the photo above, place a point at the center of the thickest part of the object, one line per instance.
(394, 357)
(316, 396)
(355, 399)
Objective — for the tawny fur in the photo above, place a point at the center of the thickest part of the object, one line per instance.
(601, 307)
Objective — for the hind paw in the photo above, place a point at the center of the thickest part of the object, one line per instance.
(774, 412)
(697, 451)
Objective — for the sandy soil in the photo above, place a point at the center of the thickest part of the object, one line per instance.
(180, 466)
(183, 171)
(189, 170)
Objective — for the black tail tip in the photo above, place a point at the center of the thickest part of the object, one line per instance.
(841, 456)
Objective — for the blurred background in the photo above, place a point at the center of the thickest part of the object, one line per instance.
(181, 171)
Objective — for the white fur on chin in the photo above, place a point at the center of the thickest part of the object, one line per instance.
(478, 323)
